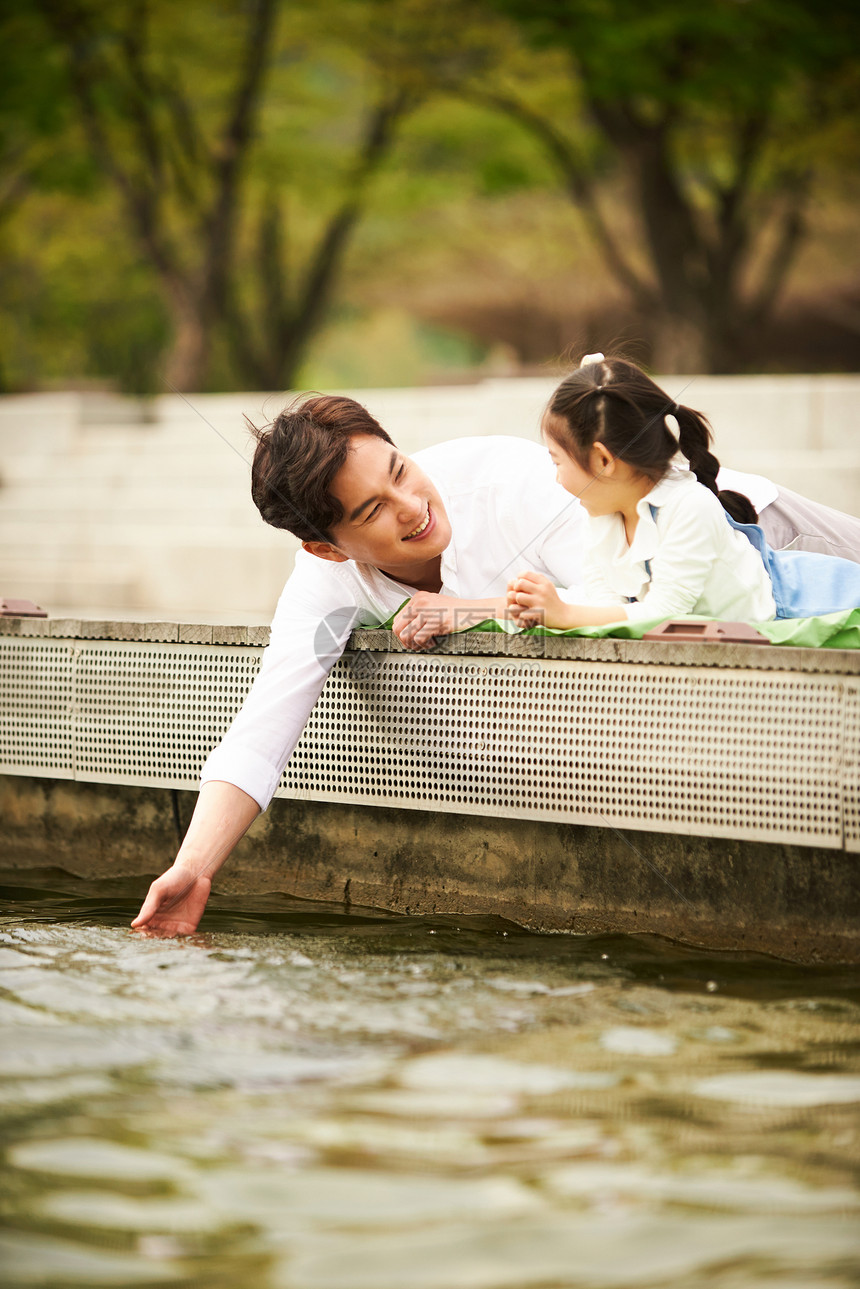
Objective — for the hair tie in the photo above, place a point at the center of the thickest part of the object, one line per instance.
(599, 387)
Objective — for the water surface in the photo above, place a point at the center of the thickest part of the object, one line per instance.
(303, 1097)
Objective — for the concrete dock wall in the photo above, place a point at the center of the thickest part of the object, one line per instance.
(706, 792)
(119, 504)
(795, 902)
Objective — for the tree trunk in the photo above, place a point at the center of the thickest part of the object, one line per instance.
(187, 362)
(677, 345)
(275, 350)
(711, 343)
(725, 337)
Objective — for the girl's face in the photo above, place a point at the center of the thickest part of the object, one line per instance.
(588, 486)
(607, 486)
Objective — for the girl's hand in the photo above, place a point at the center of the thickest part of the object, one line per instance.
(534, 601)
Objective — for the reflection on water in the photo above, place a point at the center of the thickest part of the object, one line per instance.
(301, 1097)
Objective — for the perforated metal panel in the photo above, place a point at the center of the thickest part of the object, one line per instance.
(110, 712)
(36, 698)
(151, 714)
(851, 768)
(768, 755)
(693, 750)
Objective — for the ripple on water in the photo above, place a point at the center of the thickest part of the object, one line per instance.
(41, 1260)
(306, 1100)
(466, 1072)
(97, 1158)
(613, 1249)
(630, 1041)
(766, 1088)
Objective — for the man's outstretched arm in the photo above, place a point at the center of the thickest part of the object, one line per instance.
(175, 902)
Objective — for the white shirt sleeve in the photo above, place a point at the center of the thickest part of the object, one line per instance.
(689, 548)
(309, 633)
(598, 591)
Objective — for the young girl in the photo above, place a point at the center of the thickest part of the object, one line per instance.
(662, 543)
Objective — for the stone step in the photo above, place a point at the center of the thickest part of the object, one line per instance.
(86, 539)
(99, 484)
(796, 411)
(182, 579)
(156, 466)
(831, 477)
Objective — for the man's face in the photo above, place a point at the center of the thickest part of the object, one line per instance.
(393, 517)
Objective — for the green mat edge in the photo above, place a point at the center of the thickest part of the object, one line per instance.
(831, 631)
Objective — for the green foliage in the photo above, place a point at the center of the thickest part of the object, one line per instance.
(394, 151)
(726, 50)
(76, 303)
(723, 117)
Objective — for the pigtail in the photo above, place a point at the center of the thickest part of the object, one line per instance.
(738, 506)
(694, 440)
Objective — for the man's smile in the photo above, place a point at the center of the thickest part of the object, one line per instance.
(426, 526)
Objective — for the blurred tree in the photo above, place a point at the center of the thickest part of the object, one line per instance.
(721, 116)
(171, 101)
(33, 117)
(207, 180)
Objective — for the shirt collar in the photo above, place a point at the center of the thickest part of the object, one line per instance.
(665, 488)
(607, 531)
(645, 539)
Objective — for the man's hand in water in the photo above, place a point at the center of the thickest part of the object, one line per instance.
(427, 616)
(176, 900)
(175, 903)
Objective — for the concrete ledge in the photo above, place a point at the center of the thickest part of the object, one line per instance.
(709, 793)
(747, 657)
(844, 662)
(786, 900)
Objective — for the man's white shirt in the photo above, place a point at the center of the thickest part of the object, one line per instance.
(507, 514)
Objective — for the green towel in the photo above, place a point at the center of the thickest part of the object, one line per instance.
(831, 631)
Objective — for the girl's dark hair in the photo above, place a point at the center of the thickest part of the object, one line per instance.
(298, 457)
(614, 403)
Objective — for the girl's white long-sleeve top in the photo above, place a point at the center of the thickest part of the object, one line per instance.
(685, 558)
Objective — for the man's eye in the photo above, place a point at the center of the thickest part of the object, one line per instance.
(375, 510)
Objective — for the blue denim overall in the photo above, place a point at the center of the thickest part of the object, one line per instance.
(805, 584)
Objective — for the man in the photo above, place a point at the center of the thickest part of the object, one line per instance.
(444, 530)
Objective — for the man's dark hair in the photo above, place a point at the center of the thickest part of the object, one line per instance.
(298, 457)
